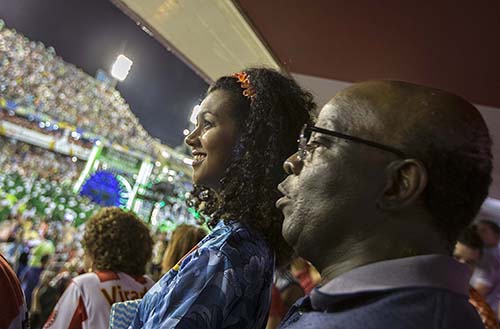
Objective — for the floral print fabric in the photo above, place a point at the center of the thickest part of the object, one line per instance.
(224, 283)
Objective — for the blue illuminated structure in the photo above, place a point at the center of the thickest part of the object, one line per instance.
(104, 188)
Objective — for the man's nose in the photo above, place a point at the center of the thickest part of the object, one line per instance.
(293, 165)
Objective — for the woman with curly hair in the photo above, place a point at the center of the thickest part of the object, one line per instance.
(117, 245)
(247, 126)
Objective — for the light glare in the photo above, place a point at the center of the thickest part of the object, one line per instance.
(194, 114)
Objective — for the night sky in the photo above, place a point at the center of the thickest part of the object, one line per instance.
(160, 88)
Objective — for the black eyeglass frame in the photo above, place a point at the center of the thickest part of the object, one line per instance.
(307, 131)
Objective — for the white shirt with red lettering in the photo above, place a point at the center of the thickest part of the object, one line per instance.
(87, 301)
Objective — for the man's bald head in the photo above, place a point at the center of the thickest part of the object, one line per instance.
(442, 130)
(395, 111)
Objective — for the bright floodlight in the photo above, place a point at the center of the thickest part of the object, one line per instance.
(121, 67)
(194, 114)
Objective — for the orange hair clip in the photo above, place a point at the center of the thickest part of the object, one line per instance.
(244, 81)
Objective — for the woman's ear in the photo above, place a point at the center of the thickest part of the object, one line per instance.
(405, 182)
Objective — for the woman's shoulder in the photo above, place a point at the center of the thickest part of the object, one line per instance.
(238, 243)
(232, 233)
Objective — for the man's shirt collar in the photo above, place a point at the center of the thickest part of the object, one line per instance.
(426, 271)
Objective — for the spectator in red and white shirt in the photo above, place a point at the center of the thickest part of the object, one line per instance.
(118, 246)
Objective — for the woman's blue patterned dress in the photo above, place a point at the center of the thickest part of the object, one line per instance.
(224, 283)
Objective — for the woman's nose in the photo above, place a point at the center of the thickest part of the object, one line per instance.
(192, 138)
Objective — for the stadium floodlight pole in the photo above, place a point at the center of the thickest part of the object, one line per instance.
(89, 166)
(121, 67)
(142, 178)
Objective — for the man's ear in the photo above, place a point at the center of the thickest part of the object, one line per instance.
(405, 182)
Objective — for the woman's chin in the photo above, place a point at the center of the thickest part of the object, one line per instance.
(200, 180)
(207, 183)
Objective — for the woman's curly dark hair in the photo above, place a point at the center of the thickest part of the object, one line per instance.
(269, 124)
(117, 240)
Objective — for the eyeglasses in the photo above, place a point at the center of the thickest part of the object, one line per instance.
(307, 131)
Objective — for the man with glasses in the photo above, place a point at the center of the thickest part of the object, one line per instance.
(376, 197)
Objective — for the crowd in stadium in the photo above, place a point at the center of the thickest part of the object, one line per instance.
(27, 160)
(33, 76)
(37, 183)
